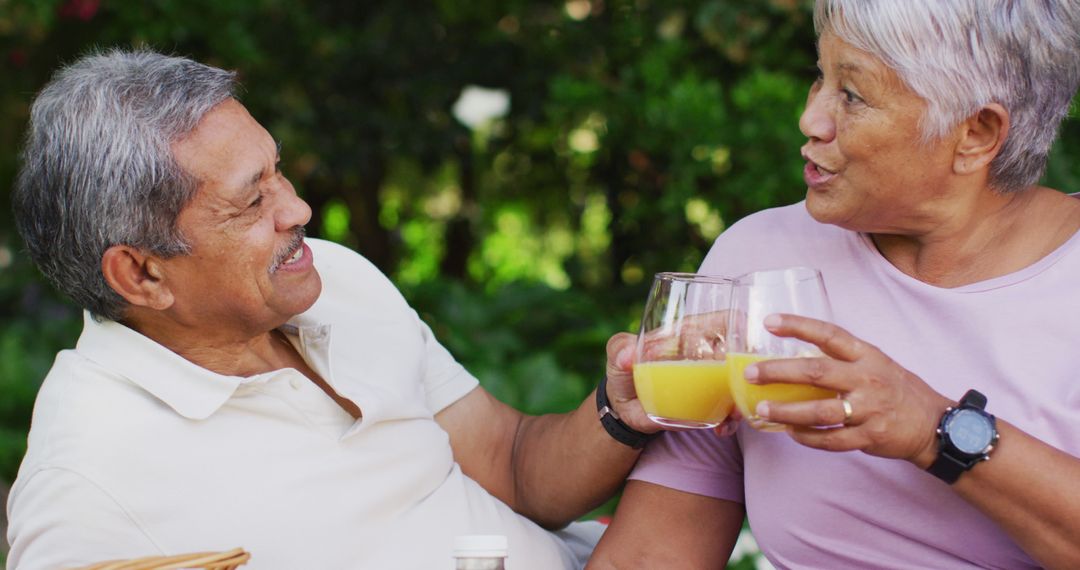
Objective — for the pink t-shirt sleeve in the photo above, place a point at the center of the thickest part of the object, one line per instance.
(698, 462)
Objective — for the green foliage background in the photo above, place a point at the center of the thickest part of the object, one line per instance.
(637, 131)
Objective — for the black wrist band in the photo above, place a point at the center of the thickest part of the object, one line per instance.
(615, 427)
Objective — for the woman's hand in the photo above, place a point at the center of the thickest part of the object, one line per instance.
(894, 414)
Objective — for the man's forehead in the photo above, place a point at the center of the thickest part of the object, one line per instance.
(227, 147)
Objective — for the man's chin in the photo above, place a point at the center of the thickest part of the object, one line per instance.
(304, 296)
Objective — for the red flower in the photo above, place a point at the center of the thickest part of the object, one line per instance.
(81, 9)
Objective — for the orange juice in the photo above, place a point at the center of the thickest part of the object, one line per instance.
(748, 395)
(686, 393)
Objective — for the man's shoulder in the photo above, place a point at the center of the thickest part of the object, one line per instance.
(328, 254)
(75, 424)
(351, 283)
(341, 267)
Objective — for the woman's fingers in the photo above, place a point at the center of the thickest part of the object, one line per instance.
(830, 439)
(812, 413)
(833, 340)
(822, 372)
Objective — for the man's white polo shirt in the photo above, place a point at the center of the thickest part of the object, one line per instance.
(135, 451)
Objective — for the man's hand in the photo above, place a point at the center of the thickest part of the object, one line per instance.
(701, 336)
(620, 383)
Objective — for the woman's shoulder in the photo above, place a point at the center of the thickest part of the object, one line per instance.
(776, 237)
(781, 222)
(783, 227)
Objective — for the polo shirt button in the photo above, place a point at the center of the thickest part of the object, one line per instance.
(294, 382)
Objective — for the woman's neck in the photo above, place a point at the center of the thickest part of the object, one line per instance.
(998, 236)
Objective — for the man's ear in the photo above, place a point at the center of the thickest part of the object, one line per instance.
(980, 139)
(137, 277)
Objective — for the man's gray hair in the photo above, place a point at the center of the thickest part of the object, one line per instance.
(959, 55)
(97, 168)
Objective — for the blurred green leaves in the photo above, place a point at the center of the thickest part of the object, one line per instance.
(538, 349)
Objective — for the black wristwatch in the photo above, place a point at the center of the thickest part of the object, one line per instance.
(615, 427)
(966, 436)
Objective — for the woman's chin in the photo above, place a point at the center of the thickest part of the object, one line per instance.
(820, 206)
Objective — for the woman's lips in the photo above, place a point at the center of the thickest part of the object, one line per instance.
(815, 175)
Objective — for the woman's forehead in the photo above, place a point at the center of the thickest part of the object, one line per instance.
(843, 58)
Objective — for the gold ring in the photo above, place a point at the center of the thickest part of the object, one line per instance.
(847, 410)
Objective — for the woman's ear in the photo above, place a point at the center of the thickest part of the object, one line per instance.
(981, 139)
(137, 277)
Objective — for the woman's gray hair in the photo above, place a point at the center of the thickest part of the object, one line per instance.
(98, 170)
(960, 55)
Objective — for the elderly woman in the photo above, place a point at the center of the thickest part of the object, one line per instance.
(950, 269)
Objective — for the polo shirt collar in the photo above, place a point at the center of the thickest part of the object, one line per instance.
(191, 390)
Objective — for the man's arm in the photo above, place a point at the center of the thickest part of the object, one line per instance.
(659, 527)
(551, 468)
(60, 519)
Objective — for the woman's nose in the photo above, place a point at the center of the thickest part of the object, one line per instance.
(817, 121)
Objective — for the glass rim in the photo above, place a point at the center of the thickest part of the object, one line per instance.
(798, 273)
(691, 277)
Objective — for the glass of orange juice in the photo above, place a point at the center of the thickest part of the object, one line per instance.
(754, 296)
(680, 373)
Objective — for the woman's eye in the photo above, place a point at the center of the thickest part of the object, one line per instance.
(850, 97)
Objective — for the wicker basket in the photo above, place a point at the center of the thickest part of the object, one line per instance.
(229, 560)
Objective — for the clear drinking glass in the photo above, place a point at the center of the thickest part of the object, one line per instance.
(754, 296)
(679, 369)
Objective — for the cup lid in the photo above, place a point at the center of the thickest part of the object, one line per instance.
(489, 545)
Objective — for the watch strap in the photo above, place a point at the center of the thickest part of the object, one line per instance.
(947, 468)
(973, 399)
(615, 427)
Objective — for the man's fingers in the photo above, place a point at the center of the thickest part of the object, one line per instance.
(620, 352)
(695, 336)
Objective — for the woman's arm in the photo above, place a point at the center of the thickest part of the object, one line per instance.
(1027, 487)
(1030, 489)
(659, 527)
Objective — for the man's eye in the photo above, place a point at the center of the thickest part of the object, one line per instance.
(255, 203)
(850, 97)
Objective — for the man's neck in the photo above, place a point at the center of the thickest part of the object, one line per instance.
(221, 350)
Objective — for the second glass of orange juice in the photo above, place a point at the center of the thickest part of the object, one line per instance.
(680, 373)
(754, 296)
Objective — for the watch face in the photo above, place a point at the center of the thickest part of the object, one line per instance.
(970, 431)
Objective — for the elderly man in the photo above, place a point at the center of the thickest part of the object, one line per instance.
(238, 385)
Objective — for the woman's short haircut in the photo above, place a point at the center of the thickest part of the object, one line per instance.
(97, 167)
(960, 55)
